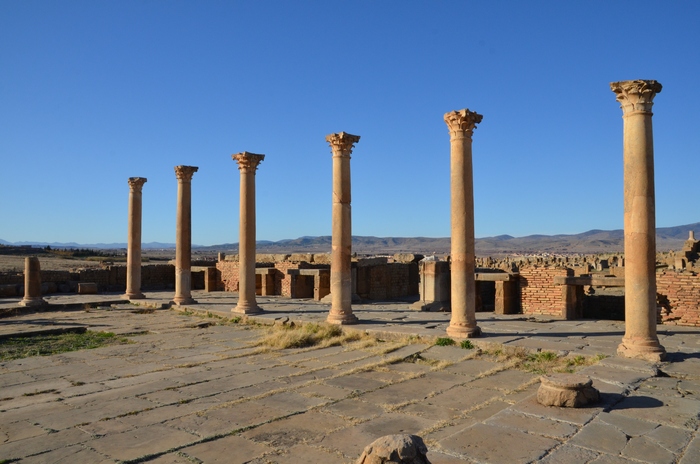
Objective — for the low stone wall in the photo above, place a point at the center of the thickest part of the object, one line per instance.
(538, 293)
(678, 294)
(108, 279)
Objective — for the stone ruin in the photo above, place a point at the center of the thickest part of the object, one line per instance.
(548, 285)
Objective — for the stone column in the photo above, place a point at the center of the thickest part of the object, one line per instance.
(133, 251)
(183, 238)
(247, 164)
(32, 283)
(341, 241)
(461, 125)
(640, 340)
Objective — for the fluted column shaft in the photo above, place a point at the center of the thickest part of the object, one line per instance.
(183, 236)
(640, 340)
(341, 240)
(247, 165)
(461, 125)
(133, 251)
(32, 283)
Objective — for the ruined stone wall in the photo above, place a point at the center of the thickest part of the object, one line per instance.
(387, 281)
(284, 280)
(538, 294)
(679, 297)
(108, 279)
(228, 271)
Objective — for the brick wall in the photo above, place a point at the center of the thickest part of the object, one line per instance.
(538, 294)
(679, 297)
(285, 280)
(229, 275)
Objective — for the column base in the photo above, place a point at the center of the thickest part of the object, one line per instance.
(463, 331)
(646, 349)
(134, 296)
(183, 300)
(248, 310)
(33, 301)
(342, 318)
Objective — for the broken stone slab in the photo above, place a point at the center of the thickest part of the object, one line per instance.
(399, 449)
(567, 390)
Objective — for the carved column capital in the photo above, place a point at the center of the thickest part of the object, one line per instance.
(185, 173)
(248, 162)
(342, 143)
(635, 96)
(136, 183)
(462, 122)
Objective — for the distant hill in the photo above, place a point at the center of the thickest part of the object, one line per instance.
(592, 241)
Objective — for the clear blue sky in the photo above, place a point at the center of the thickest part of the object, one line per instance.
(93, 92)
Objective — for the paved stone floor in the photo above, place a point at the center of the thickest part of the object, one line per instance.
(187, 390)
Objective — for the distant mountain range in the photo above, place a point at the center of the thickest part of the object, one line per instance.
(94, 246)
(593, 241)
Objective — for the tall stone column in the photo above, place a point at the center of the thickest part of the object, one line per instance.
(32, 283)
(133, 251)
(247, 165)
(640, 340)
(341, 241)
(183, 238)
(461, 125)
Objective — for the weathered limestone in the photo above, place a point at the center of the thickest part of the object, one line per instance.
(434, 286)
(640, 340)
(567, 391)
(461, 125)
(32, 283)
(133, 251)
(399, 449)
(341, 241)
(247, 165)
(183, 239)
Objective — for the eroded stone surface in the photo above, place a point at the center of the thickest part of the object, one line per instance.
(399, 449)
(567, 390)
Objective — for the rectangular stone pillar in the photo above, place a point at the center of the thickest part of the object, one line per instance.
(506, 297)
(572, 296)
(434, 286)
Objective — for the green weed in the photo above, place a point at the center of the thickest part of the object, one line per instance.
(46, 345)
(445, 341)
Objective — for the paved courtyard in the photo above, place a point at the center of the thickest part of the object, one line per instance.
(190, 389)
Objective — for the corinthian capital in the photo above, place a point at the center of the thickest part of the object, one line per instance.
(247, 162)
(342, 143)
(185, 173)
(635, 95)
(136, 183)
(463, 121)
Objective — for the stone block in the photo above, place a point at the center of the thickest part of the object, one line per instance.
(87, 288)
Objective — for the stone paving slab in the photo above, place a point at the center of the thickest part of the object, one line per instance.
(187, 390)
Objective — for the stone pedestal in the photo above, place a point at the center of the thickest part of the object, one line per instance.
(247, 165)
(640, 340)
(341, 241)
(395, 449)
(567, 390)
(461, 125)
(32, 283)
(183, 238)
(133, 251)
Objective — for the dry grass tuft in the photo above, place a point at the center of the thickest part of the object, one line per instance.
(307, 335)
